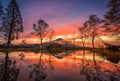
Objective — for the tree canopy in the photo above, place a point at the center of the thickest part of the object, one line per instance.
(12, 23)
(113, 14)
(112, 17)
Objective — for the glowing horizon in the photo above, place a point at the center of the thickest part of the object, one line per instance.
(64, 16)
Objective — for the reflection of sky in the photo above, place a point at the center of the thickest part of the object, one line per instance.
(66, 69)
(62, 15)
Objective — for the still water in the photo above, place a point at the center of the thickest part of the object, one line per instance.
(67, 66)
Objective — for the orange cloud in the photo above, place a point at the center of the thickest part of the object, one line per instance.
(68, 28)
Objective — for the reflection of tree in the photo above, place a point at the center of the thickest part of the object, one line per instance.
(54, 48)
(112, 56)
(38, 70)
(8, 69)
(21, 56)
(66, 47)
(74, 59)
(93, 71)
(11, 27)
(50, 63)
(74, 40)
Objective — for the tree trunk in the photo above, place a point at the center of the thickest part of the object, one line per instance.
(41, 43)
(8, 45)
(83, 44)
(93, 42)
(74, 45)
(7, 58)
(83, 41)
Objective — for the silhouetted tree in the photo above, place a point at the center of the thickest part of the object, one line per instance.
(93, 24)
(66, 46)
(74, 40)
(12, 24)
(112, 17)
(1, 14)
(1, 11)
(41, 30)
(51, 35)
(83, 33)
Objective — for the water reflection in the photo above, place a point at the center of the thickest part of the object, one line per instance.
(94, 71)
(50, 63)
(73, 66)
(112, 56)
(38, 70)
(8, 69)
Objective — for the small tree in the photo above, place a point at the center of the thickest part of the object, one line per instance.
(74, 40)
(83, 33)
(66, 44)
(93, 24)
(51, 35)
(12, 24)
(41, 30)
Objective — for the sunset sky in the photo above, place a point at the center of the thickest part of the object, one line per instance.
(64, 16)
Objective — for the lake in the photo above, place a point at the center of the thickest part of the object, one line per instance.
(66, 66)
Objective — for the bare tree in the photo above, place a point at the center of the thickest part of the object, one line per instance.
(12, 24)
(41, 30)
(93, 24)
(83, 33)
(74, 40)
(51, 35)
(66, 44)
